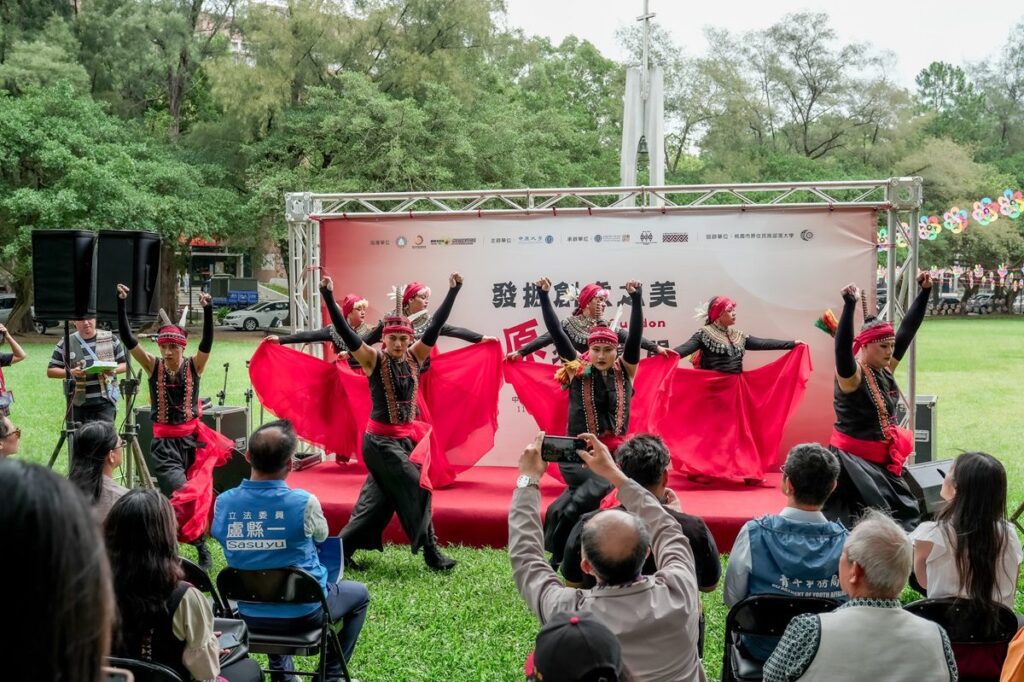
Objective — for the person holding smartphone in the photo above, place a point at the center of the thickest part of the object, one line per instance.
(599, 384)
(16, 355)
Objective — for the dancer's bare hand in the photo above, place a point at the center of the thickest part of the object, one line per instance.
(925, 280)
(488, 338)
(632, 286)
(513, 356)
(454, 280)
(661, 350)
(122, 291)
(530, 463)
(327, 283)
(850, 291)
(544, 284)
(205, 299)
(273, 339)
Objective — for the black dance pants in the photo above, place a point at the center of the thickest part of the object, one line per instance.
(172, 458)
(583, 494)
(392, 487)
(865, 485)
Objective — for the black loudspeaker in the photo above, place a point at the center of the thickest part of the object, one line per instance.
(131, 258)
(64, 274)
(925, 481)
(233, 422)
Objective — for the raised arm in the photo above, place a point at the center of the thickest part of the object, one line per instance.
(631, 351)
(206, 342)
(563, 345)
(17, 353)
(421, 349)
(124, 330)
(846, 365)
(364, 355)
(912, 320)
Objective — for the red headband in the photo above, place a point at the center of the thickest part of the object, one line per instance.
(878, 332)
(589, 293)
(350, 302)
(602, 334)
(720, 305)
(412, 289)
(172, 334)
(397, 324)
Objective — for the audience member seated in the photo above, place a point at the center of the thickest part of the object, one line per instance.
(289, 522)
(655, 617)
(576, 647)
(870, 637)
(10, 437)
(795, 552)
(98, 452)
(645, 459)
(162, 618)
(57, 603)
(971, 551)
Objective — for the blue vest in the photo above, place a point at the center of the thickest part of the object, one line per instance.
(261, 524)
(794, 558)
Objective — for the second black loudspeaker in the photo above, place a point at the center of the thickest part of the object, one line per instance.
(63, 274)
(132, 258)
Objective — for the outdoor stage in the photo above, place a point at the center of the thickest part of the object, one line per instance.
(474, 510)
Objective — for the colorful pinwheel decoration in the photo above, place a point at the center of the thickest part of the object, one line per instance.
(985, 211)
(1003, 271)
(929, 227)
(958, 271)
(979, 272)
(883, 237)
(1011, 204)
(955, 220)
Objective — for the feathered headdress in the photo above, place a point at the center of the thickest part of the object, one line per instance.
(395, 322)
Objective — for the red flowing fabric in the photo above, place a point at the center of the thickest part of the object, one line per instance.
(891, 453)
(193, 502)
(544, 399)
(423, 434)
(729, 426)
(329, 403)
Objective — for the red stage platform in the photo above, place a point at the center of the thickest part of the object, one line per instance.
(474, 510)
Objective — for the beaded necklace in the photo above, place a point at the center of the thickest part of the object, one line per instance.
(871, 381)
(590, 399)
(163, 401)
(723, 341)
(387, 378)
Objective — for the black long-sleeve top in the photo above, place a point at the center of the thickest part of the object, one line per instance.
(722, 350)
(329, 335)
(577, 328)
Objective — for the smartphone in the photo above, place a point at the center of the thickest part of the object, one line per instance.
(117, 675)
(561, 449)
(228, 640)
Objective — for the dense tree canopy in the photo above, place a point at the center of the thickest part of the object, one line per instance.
(193, 117)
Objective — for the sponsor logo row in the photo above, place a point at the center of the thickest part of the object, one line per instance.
(644, 238)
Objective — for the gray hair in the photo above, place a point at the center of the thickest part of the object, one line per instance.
(883, 551)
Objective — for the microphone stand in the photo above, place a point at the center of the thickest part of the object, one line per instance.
(70, 426)
(223, 393)
(248, 402)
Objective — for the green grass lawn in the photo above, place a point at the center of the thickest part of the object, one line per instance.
(471, 625)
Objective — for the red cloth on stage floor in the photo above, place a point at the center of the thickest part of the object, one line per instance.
(193, 502)
(329, 403)
(729, 426)
(544, 399)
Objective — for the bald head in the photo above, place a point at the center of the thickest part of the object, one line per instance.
(271, 447)
(615, 546)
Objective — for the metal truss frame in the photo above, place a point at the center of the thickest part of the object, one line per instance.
(899, 198)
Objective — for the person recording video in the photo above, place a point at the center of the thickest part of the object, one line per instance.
(6, 360)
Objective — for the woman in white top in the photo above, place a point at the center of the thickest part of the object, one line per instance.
(971, 551)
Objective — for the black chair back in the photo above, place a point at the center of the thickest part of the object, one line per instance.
(271, 586)
(144, 671)
(200, 579)
(979, 643)
(762, 615)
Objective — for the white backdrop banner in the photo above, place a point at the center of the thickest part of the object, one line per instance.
(784, 268)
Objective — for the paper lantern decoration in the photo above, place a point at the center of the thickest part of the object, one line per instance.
(1011, 204)
(985, 211)
(955, 220)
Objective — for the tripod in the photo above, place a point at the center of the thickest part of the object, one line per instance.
(70, 425)
(136, 471)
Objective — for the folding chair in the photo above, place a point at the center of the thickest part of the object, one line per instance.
(979, 656)
(765, 615)
(145, 671)
(285, 586)
(200, 579)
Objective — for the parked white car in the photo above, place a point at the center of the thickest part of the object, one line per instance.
(260, 316)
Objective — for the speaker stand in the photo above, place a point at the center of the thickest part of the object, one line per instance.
(67, 434)
(136, 471)
(1016, 517)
